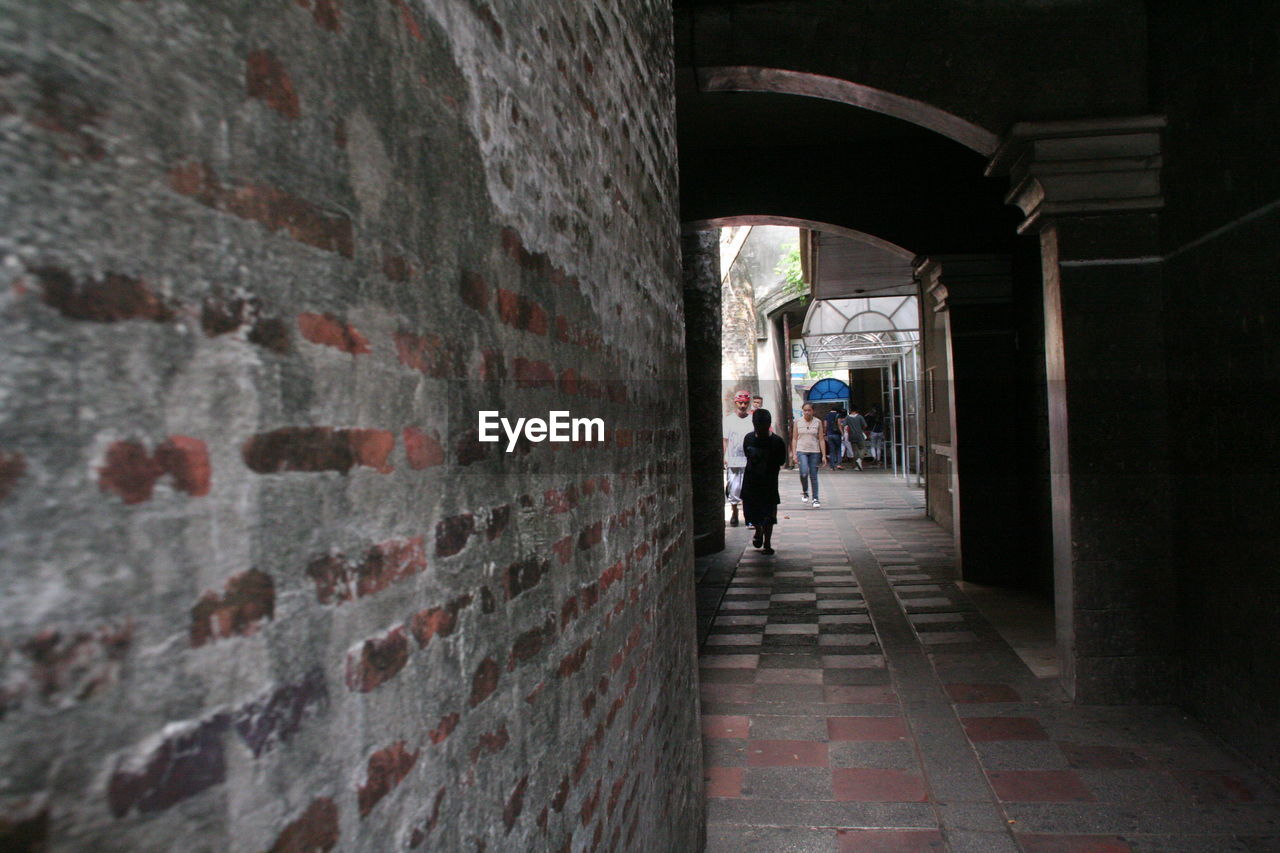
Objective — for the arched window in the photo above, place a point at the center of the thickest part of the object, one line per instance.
(828, 391)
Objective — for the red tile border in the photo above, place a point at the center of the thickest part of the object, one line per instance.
(867, 728)
(786, 753)
(1039, 786)
(979, 693)
(875, 785)
(717, 726)
(889, 841)
(983, 729)
(723, 781)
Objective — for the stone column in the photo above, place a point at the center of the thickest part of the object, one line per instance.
(700, 255)
(971, 297)
(1091, 190)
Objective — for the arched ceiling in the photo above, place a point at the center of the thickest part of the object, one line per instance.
(786, 107)
(801, 157)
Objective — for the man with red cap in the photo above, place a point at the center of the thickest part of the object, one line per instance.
(737, 426)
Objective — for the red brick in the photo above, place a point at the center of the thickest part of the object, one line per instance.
(474, 290)
(520, 312)
(410, 22)
(378, 660)
(515, 804)
(420, 833)
(70, 115)
(397, 268)
(574, 661)
(525, 646)
(266, 79)
(129, 471)
(82, 664)
(979, 693)
(111, 299)
(12, 468)
(316, 449)
(1039, 786)
(485, 681)
(870, 785)
(453, 533)
(428, 353)
(274, 718)
(499, 518)
(444, 728)
(219, 316)
(338, 580)
(590, 535)
(786, 753)
(316, 829)
(185, 459)
(490, 742)
(25, 829)
(533, 374)
(983, 729)
(269, 206)
(563, 549)
(423, 450)
(866, 728)
(523, 575)
(387, 768)
(249, 598)
(327, 330)
(716, 726)
(327, 13)
(1216, 786)
(182, 766)
(434, 621)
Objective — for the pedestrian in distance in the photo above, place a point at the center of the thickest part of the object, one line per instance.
(765, 454)
(809, 451)
(736, 427)
(857, 427)
(832, 423)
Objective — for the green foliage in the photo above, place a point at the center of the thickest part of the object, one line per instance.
(792, 273)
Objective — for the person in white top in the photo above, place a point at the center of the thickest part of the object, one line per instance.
(809, 450)
(737, 426)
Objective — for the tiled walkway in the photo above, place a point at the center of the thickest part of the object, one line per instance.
(853, 699)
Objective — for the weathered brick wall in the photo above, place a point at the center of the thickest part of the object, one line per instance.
(738, 327)
(263, 588)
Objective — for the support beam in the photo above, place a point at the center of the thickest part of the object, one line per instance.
(700, 260)
(1091, 190)
(972, 298)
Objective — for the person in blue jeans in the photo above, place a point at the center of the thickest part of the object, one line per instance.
(809, 451)
(835, 438)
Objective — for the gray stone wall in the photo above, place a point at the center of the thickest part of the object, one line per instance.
(263, 587)
(1220, 231)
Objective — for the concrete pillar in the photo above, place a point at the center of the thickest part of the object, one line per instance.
(972, 336)
(1091, 190)
(700, 254)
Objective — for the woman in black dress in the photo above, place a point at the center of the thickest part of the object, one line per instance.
(766, 453)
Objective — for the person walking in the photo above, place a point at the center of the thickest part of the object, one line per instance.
(833, 438)
(875, 427)
(808, 450)
(736, 427)
(765, 454)
(857, 427)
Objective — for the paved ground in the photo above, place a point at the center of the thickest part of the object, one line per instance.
(854, 699)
